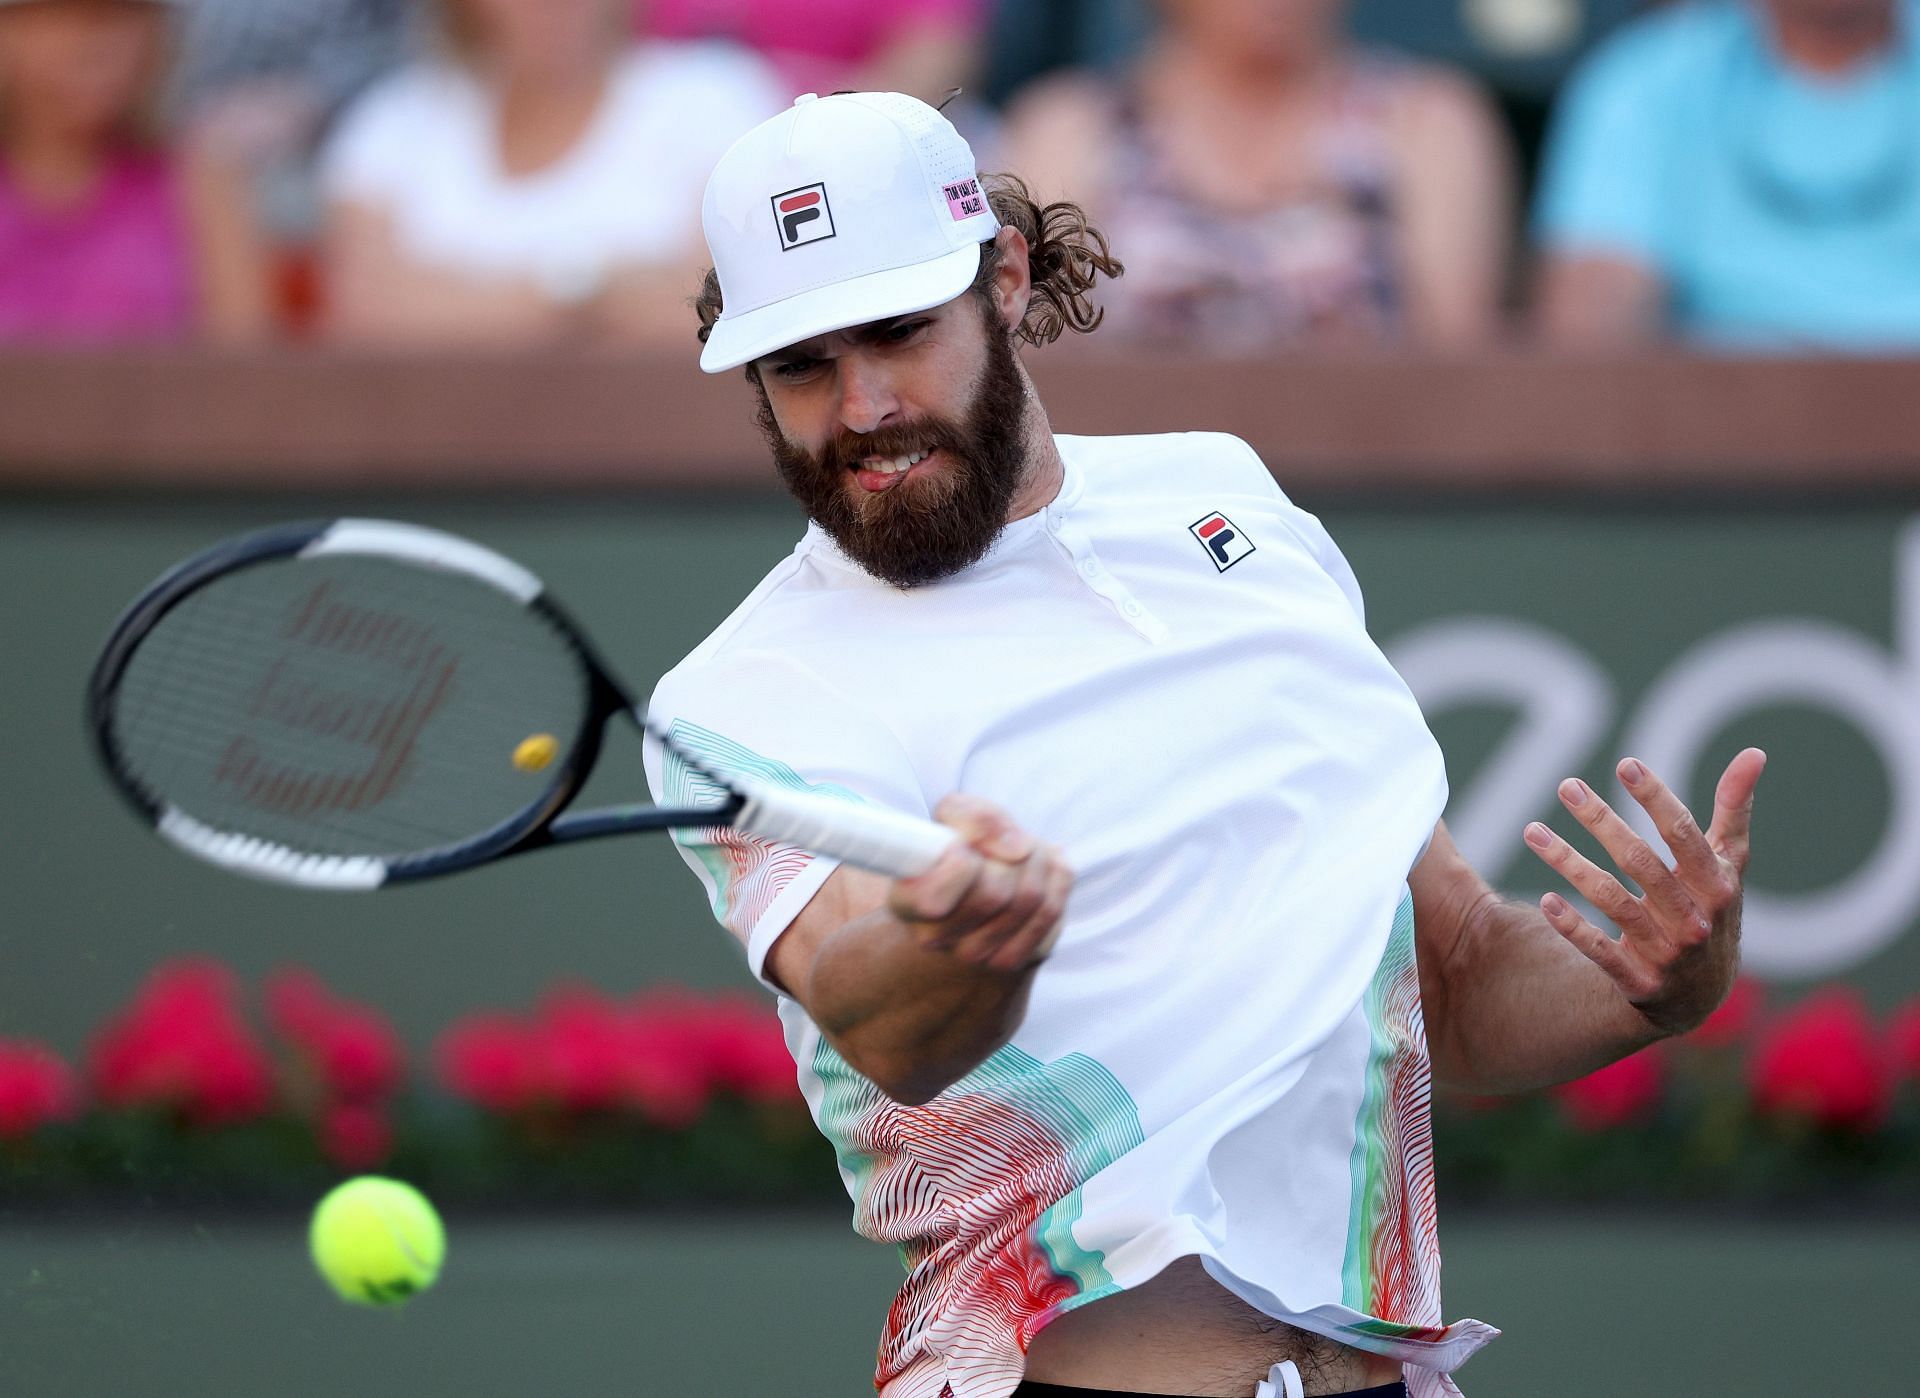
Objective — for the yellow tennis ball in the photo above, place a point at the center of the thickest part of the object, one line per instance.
(377, 1241)
(536, 752)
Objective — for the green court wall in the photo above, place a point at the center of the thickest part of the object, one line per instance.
(1544, 637)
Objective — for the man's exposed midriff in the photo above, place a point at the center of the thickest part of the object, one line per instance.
(1184, 1333)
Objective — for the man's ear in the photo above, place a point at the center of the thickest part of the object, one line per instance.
(1012, 286)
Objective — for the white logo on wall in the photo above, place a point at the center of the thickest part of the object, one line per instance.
(1567, 705)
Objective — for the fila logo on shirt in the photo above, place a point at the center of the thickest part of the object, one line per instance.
(803, 215)
(1226, 545)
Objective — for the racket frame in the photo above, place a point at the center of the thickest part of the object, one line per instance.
(537, 825)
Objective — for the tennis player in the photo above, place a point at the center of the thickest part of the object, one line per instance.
(1137, 1077)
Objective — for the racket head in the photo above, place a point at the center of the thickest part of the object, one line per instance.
(340, 703)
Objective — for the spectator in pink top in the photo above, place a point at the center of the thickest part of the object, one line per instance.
(104, 234)
(922, 47)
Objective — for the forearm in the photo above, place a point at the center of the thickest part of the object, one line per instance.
(1516, 1007)
(912, 1020)
(1519, 997)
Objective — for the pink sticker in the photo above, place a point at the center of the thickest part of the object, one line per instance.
(964, 199)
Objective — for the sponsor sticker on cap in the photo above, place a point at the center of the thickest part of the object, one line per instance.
(964, 199)
(803, 216)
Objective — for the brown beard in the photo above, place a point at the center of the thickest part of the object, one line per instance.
(929, 527)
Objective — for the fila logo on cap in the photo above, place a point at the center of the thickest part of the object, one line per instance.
(804, 216)
(1226, 545)
(916, 213)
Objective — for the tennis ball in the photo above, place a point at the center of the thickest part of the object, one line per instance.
(377, 1241)
(535, 752)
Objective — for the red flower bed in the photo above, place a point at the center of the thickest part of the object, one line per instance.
(184, 1046)
(668, 1094)
(353, 1057)
(1824, 1060)
(36, 1088)
(352, 1047)
(1736, 1019)
(1903, 1042)
(188, 1048)
(661, 1055)
(1621, 1094)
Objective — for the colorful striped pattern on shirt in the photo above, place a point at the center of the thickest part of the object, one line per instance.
(745, 872)
(979, 1189)
(1392, 1268)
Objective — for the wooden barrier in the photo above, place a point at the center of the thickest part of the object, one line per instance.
(303, 419)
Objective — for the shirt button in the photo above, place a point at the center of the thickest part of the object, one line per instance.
(1090, 567)
(1132, 609)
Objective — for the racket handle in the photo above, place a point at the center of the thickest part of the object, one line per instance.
(871, 837)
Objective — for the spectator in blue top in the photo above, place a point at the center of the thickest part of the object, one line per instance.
(1744, 174)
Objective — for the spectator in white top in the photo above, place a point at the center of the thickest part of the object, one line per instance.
(537, 184)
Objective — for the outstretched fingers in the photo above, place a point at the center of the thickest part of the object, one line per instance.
(1599, 887)
(1733, 806)
(1694, 860)
(1632, 855)
(1636, 979)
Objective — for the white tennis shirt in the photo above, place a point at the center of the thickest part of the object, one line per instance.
(1167, 673)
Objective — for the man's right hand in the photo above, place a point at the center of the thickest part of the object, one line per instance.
(995, 900)
(916, 981)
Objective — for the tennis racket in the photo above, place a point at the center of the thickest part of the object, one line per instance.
(346, 704)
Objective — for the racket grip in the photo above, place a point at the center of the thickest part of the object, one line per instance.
(871, 837)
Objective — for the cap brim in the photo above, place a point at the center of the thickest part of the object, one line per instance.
(898, 291)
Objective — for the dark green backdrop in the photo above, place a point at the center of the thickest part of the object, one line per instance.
(89, 901)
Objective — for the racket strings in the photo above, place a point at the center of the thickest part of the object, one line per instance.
(349, 706)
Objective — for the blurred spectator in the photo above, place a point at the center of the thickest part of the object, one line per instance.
(105, 233)
(541, 182)
(1742, 173)
(259, 80)
(925, 48)
(1265, 184)
(1028, 39)
(326, 50)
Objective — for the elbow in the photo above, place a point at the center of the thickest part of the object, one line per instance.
(910, 1093)
(911, 1085)
(908, 1080)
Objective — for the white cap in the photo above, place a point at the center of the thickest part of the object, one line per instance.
(839, 211)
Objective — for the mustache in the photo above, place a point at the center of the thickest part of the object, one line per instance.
(849, 449)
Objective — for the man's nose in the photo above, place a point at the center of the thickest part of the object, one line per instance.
(867, 400)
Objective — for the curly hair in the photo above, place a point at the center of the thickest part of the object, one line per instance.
(1067, 253)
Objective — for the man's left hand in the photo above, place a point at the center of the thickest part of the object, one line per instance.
(1679, 944)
